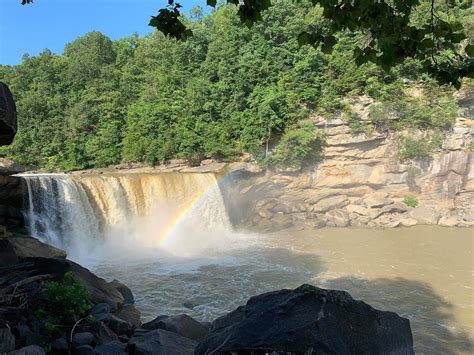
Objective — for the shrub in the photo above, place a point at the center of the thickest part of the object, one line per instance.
(299, 146)
(65, 302)
(413, 171)
(356, 125)
(471, 146)
(410, 201)
(413, 148)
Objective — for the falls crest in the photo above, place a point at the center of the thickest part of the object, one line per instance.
(80, 212)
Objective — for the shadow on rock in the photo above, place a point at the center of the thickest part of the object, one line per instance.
(430, 316)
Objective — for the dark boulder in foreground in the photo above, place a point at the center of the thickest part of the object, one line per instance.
(308, 320)
(161, 342)
(181, 324)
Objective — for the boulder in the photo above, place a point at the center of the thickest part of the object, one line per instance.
(26, 336)
(18, 248)
(426, 214)
(408, 222)
(124, 290)
(103, 333)
(130, 314)
(359, 221)
(377, 202)
(181, 324)
(308, 320)
(281, 208)
(448, 221)
(330, 203)
(362, 211)
(112, 348)
(100, 308)
(9, 167)
(29, 350)
(265, 213)
(85, 338)
(83, 350)
(60, 345)
(161, 342)
(318, 222)
(468, 215)
(397, 207)
(337, 218)
(7, 340)
(116, 324)
(282, 221)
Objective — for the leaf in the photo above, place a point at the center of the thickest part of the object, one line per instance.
(304, 38)
(470, 50)
(427, 43)
(328, 44)
(211, 3)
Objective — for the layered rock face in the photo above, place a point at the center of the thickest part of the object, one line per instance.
(360, 183)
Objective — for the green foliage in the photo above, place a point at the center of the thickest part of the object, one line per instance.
(299, 146)
(410, 201)
(65, 302)
(356, 125)
(419, 147)
(395, 30)
(471, 146)
(225, 91)
(413, 171)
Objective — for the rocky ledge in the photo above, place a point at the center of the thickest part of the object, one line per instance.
(360, 183)
(306, 320)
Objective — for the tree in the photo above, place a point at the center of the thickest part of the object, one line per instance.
(390, 34)
(226, 91)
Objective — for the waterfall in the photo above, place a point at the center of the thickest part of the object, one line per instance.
(78, 213)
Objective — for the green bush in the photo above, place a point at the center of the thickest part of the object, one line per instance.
(356, 125)
(65, 302)
(410, 201)
(299, 146)
(471, 146)
(413, 148)
(413, 171)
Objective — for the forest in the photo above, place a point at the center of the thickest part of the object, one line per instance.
(227, 91)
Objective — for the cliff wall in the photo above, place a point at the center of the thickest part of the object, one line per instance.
(361, 183)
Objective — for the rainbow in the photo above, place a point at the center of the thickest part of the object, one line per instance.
(179, 216)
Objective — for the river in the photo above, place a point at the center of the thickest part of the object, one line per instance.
(423, 273)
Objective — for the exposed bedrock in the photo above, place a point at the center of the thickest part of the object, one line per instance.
(360, 183)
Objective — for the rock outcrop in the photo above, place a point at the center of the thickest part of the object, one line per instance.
(11, 195)
(360, 183)
(308, 320)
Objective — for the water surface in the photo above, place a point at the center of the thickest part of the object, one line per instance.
(423, 273)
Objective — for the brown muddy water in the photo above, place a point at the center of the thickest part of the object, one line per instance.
(423, 273)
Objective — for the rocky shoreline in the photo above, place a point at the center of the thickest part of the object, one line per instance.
(300, 321)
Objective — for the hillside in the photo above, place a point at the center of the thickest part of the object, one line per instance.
(225, 93)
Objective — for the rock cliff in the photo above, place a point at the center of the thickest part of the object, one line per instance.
(361, 182)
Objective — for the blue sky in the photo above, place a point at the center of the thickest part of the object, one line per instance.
(54, 23)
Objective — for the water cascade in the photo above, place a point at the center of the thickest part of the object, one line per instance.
(81, 212)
